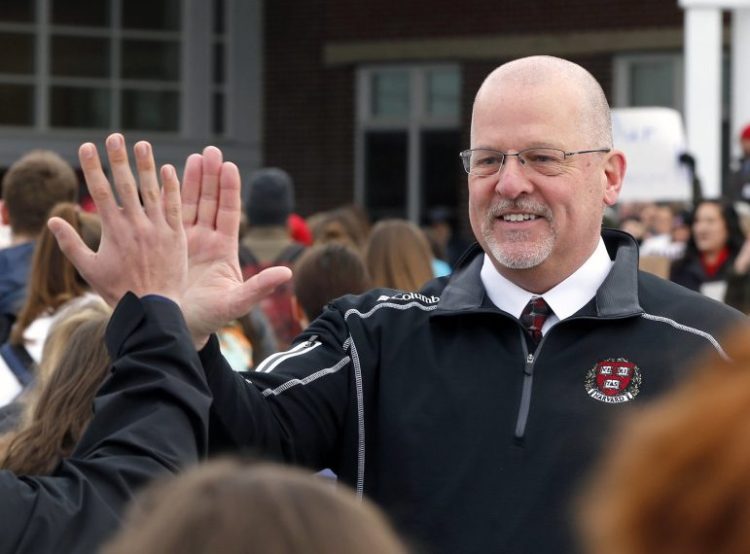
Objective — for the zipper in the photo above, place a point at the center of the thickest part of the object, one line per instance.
(528, 375)
(528, 380)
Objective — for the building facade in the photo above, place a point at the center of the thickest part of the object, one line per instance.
(180, 73)
(361, 102)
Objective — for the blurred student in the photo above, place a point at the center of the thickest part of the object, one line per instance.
(54, 283)
(324, 273)
(711, 250)
(677, 477)
(31, 187)
(440, 229)
(347, 225)
(661, 241)
(226, 506)
(59, 408)
(268, 242)
(398, 255)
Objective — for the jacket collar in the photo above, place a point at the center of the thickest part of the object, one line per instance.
(617, 296)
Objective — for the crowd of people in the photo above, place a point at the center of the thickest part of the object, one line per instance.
(530, 392)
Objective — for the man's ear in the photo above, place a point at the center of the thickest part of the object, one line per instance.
(614, 173)
(299, 313)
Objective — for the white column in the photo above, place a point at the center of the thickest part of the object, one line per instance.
(703, 91)
(740, 97)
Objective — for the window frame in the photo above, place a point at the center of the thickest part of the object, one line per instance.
(623, 64)
(194, 84)
(417, 121)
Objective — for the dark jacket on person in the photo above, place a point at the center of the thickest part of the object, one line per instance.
(739, 182)
(15, 262)
(151, 418)
(433, 404)
(690, 273)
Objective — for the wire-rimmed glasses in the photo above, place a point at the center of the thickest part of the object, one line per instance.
(546, 161)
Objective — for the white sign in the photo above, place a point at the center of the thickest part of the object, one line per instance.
(653, 140)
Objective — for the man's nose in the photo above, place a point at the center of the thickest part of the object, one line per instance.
(511, 179)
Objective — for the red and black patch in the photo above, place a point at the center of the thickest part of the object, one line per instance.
(614, 380)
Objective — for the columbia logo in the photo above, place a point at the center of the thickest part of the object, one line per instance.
(411, 296)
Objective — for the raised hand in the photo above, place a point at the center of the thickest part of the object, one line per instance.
(143, 247)
(211, 208)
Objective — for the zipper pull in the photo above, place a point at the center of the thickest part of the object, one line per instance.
(311, 340)
(529, 364)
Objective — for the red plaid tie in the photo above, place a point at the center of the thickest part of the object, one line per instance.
(533, 317)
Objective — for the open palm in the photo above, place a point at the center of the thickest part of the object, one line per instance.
(211, 207)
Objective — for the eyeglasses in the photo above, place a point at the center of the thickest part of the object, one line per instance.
(546, 161)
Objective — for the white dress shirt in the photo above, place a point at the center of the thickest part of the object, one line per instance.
(565, 298)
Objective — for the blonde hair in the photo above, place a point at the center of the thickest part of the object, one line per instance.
(53, 279)
(74, 364)
(209, 508)
(398, 255)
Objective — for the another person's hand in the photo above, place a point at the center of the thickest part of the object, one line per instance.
(211, 210)
(143, 247)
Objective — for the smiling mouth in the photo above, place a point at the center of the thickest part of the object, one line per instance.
(518, 217)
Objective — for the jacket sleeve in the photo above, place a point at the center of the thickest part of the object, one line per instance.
(293, 406)
(151, 417)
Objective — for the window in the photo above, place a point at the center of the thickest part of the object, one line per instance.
(408, 139)
(649, 80)
(657, 80)
(108, 64)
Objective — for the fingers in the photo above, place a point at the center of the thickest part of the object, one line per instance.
(209, 196)
(122, 176)
(149, 184)
(71, 245)
(96, 181)
(171, 196)
(230, 205)
(191, 188)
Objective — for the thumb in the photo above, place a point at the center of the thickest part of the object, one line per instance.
(261, 285)
(71, 245)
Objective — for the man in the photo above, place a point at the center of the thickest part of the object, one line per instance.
(31, 187)
(469, 417)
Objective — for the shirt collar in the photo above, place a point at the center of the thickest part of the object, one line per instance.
(565, 298)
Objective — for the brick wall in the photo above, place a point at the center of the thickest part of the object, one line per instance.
(309, 107)
(426, 18)
(307, 114)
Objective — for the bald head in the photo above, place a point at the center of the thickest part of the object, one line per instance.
(589, 102)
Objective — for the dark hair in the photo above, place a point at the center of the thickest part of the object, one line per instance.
(735, 236)
(33, 185)
(61, 405)
(269, 198)
(211, 508)
(325, 272)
